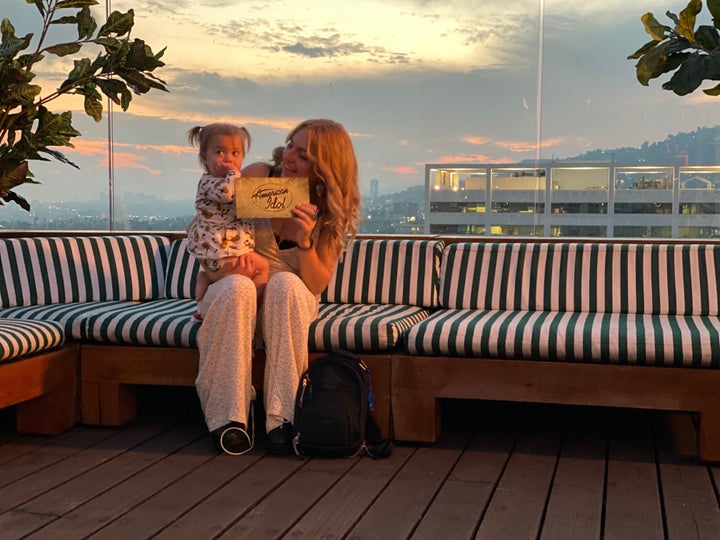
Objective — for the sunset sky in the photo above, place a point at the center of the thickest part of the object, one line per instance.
(413, 81)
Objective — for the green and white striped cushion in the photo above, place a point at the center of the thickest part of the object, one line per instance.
(20, 338)
(181, 271)
(72, 317)
(75, 269)
(666, 340)
(618, 278)
(362, 327)
(387, 272)
(162, 323)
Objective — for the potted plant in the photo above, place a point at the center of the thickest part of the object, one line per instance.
(28, 129)
(692, 53)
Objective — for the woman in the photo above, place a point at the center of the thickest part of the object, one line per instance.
(302, 251)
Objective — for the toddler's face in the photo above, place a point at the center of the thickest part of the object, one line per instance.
(224, 153)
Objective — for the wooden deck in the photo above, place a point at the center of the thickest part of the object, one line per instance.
(500, 471)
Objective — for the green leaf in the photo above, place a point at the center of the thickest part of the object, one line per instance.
(76, 3)
(23, 94)
(651, 65)
(116, 90)
(69, 19)
(11, 196)
(12, 177)
(93, 108)
(692, 72)
(686, 28)
(714, 91)
(118, 23)
(82, 70)
(86, 23)
(714, 8)
(39, 4)
(643, 50)
(63, 49)
(708, 36)
(656, 30)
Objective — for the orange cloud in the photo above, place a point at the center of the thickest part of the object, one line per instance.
(524, 146)
(464, 158)
(404, 170)
(478, 140)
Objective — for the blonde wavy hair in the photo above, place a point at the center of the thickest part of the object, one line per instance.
(332, 155)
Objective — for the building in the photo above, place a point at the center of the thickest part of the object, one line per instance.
(573, 199)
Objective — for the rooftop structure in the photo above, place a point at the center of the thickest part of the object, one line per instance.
(573, 199)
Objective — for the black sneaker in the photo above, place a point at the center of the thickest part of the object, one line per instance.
(280, 439)
(232, 439)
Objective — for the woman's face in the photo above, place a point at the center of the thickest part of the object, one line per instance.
(295, 160)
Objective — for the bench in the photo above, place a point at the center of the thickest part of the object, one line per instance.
(614, 324)
(120, 307)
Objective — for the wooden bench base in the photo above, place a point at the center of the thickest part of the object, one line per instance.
(44, 388)
(419, 382)
(109, 374)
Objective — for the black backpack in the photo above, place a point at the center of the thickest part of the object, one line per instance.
(332, 410)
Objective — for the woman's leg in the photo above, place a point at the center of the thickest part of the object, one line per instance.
(289, 308)
(225, 340)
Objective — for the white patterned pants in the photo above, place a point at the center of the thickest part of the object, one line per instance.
(225, 341)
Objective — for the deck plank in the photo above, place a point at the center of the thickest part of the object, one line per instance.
(691, 506)
(122, 498)
(353, 493)
(518, 503)
(462, 500)
(400, 507)
(633, 500)
(575, 504)
(285, 506)
(212, 499)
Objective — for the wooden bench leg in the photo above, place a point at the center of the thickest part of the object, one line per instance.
(108, 404)
(415, 418)
(709, 435)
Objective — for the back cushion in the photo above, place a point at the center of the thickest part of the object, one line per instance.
(76, 269)
(383, 271)
(679, 279)
(182, 268)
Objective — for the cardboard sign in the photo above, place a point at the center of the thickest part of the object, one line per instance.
(269, 197)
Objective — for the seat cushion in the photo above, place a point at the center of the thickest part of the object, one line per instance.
(59, 270)
(73, 317)
(664, 279)
(181, 271)
(383, 271)
(166, 323)
(19, 338)
(362, 328)
(667, 340)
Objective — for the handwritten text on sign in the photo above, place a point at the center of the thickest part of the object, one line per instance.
(269, 197)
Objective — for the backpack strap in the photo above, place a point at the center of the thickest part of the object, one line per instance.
(375, 446)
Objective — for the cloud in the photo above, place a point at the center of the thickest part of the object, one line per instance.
(525, 146)
(403, 170)
(477, 140)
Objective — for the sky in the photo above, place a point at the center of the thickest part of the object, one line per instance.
(413, 82)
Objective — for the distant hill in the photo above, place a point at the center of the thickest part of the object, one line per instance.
(700, 147)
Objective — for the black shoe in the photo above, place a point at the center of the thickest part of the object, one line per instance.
(280, 439)
(232, 439)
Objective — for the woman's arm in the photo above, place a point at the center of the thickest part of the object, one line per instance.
(317, 263)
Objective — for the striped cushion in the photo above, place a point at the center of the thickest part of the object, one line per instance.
(669, 340)
(20, 338)
(387, 272)
(72, 317)
(167, 323)
(75, 269)
(678, 279)
(180, 272)
(362, 327)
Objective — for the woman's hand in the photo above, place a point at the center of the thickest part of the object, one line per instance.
(305, 216)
